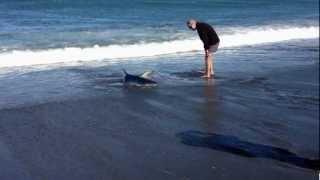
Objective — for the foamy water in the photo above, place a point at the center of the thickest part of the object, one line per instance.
(71, 54)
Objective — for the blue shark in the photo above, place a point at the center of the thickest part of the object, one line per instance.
(138, 80)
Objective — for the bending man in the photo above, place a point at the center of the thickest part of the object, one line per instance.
(210, 41)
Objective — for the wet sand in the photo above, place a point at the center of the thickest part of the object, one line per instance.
(253, 127)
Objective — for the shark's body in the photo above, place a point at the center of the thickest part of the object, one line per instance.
(138, 80)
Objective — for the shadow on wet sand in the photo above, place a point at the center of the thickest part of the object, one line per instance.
(234, 145)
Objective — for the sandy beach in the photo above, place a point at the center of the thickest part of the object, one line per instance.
(249, 126)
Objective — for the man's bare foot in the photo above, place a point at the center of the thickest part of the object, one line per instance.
(206, 76)
(204, 72)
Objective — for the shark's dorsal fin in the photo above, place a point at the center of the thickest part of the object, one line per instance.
(146, 74)
(124, 71)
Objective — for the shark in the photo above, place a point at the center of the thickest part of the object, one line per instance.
(142, 80)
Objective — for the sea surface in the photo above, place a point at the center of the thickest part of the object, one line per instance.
(44, 32)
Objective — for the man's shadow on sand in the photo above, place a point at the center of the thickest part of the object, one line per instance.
(234, 145)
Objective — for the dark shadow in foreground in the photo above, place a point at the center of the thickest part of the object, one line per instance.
(234, 145)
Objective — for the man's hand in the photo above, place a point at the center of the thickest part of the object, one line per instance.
(207, 52)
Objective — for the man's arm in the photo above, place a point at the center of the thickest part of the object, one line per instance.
(205, 39)
(203, 31)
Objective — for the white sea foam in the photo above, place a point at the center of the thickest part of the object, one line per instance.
(70, 54)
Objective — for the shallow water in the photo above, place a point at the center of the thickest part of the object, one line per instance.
(248, 66)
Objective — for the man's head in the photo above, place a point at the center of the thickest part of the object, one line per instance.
(192, 24)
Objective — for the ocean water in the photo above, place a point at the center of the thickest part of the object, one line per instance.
(58, 31)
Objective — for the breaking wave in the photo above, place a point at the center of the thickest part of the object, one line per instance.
(69, 54)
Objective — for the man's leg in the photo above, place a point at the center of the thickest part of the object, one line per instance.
(213, 49)
(209, 65)
(205, 66)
